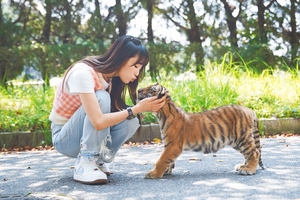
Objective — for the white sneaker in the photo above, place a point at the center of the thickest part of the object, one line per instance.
(104, 167)
(87, 172)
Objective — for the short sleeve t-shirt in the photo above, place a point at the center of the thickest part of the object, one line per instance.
(78, 80)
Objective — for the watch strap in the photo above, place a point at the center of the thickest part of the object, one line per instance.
(130, 113)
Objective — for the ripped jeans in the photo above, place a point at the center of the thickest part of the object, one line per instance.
(79, 137)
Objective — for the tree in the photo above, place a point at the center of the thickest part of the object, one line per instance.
(47, 24)
(49, 35)
(123, 15)
(121, 18)
(66, 21)
(261, 8)
(294, 41)
(231, 21)
(288, 25)
(154, 73)
(185, 13)
(12, 34)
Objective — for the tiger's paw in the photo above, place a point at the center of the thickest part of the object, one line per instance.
(153, 175)
(244, 170)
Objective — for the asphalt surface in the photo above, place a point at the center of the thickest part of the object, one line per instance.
(48, 175)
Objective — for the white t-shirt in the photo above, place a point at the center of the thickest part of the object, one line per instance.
(78, 80)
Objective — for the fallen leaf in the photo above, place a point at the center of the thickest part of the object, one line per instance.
(157, 140)
(195, 159)
(27, 147)
(146, 142)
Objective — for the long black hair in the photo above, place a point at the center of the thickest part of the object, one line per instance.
(124, 48)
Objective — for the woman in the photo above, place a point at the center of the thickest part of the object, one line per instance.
(90, 119)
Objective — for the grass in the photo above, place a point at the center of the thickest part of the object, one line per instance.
(25, 108)
(272, 93)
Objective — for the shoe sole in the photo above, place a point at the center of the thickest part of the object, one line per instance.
(95, 182)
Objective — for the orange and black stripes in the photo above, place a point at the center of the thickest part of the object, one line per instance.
(207, 132)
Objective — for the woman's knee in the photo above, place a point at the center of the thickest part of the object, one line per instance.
(61, 142)
(68, 151)
(132, 127)
(133, 123)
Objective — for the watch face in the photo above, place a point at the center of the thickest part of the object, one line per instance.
(131, 115)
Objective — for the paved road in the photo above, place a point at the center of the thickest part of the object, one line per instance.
(48, 175)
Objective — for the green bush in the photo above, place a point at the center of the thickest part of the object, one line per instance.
(270, 94)
(25, 108)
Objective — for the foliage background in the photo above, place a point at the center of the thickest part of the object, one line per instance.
(261, 38)
(49, 35)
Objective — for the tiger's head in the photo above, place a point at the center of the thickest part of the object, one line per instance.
(151, 91)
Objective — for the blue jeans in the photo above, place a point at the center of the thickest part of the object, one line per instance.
(78, 135)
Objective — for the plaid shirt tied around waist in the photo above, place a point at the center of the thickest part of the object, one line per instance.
(66, 104)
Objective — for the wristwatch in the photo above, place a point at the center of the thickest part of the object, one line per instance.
(130, 113)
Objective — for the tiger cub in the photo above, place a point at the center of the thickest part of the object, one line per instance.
(206, 131)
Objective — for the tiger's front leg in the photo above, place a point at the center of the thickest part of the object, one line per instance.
(169, 169)
(165, 163)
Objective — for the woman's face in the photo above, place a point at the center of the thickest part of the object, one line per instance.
(130, 70)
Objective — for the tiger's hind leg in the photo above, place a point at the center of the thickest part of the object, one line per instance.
(251, 155)
(249, 167)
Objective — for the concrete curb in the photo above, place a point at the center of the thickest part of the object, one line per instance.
(274, 126)
(147, 133)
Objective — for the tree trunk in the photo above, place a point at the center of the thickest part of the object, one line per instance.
(231, 22)
(121, 23)
(150, 17)
(261, 22)
(194, 35)
(152, 64)
(47, 25)
(46, 39)
(293, 35)
(98, 19)
(67, 23)
(1, 25)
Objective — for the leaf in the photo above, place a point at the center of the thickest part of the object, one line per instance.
(195, 159)
(157, 140)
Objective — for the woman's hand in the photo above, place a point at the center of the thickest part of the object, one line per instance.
(150, 104)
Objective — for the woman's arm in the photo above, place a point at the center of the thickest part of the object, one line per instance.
(101, 121)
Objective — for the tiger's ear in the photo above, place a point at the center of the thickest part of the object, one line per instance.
(162, 92)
